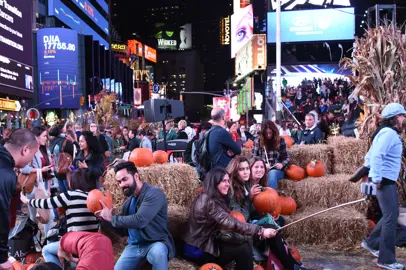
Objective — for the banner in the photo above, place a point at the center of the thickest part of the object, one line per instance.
(251, 57)
(223, 103)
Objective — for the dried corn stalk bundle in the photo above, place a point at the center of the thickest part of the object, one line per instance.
(379, 65)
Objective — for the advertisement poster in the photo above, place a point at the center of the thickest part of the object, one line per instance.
(93, 14)
(173, 38)
(58, 62)
(251, 57)
(313, 25)
(137, 96)
(16, 45)
(242, 28)
(223, 103)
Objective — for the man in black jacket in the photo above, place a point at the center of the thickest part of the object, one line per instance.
(134, 141)
(143, 218)
(16, 153)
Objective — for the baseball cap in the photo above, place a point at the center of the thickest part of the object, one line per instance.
(392, 110)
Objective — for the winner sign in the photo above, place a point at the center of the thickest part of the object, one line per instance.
(58, 62)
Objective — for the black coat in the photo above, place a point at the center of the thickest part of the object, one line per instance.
(95, 164)
(134, 143)
(7, 189)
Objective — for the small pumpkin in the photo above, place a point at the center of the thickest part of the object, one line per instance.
(141, 157)
(95, 196)
(160, 157)
(249, 144)
(210, 266)
(277, 211)
(266, 202)
(288, 205)
(288, 140)
(315, 168)
(295, 172)
(32, 257)
(295, 254)
(240, 217)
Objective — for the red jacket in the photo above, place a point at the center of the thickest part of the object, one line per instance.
(95, 250)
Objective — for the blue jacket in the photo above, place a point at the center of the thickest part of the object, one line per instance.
(385, 156)
(150, 218)
(219, 142)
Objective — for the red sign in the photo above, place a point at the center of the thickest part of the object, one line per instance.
(150, 53)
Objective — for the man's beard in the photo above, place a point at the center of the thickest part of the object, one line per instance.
(130, 190)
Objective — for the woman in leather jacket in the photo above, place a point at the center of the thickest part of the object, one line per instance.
(90, 156)
(209, 214)
(241, 200)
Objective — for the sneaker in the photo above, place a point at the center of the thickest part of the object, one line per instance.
(392, 266)
(374, 252)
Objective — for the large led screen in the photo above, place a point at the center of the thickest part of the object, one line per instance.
(242, 28)
(104, 5)
(64, 14)
(313, 25)
(58, 61)
(93, 14)
(16, 45)
(173, 38)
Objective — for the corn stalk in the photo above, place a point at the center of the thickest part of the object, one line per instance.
(380, 67)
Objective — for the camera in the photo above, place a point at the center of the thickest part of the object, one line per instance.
(368, 189)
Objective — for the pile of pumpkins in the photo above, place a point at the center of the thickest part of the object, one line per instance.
(270, 202)
(143, 157)
(315, 168)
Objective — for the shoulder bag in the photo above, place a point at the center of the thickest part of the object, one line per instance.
(64, 160)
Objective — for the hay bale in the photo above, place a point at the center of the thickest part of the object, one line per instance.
(349, 153)
(342, 229)
(178, 181)
(301, 155)
(181, 264)
(177, 220)
(325, 192)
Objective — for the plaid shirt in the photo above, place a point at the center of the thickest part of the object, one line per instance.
(279, 156)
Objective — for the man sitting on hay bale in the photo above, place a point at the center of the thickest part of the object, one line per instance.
(143, 218)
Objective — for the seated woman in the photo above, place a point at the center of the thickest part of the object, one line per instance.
(241, 200)
(208, 215)
(79, 218)
(272, 148)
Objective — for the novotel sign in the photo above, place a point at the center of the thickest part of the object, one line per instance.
(225, 31)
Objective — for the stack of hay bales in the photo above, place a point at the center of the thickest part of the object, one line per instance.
(341, 229)
(179, 182)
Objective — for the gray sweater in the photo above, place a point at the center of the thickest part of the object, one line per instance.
(150, 218)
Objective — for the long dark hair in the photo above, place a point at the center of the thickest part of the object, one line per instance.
(272, 144)
(264, 180)
(93, 145)
(42, 148)
(212, 180)
(81, 179)
(238, 186)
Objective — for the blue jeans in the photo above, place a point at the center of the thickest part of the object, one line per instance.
(273, 177)
(50, 253)
(134, 256)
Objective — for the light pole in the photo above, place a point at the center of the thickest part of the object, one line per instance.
(278, 60)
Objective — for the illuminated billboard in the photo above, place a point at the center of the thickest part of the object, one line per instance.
(58, 71)
(251, 57)
(173, 38)
(313, 25)
(63, 13)
(16, 45)
(225, 30)
(242, 28)
(290, 4)
(103, 5)
(150, 53)
(239, 4)
(93, 14)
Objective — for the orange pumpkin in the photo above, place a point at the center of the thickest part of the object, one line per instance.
(95, 196)
(277, 211)
(141, 157)
(160, 157)
(295, 254)
(295, 172)
(249, 144)
(210, 266)
(240, 217)
(28, 266)
(371, 225)
(258, 267)
(266, 202)
(288, 140)
(315, 168)
(32, 257)
(288, 205)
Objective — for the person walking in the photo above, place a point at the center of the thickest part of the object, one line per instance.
(384, 160)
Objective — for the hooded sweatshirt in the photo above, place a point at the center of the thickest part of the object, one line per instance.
(7, 189)
(95, 250)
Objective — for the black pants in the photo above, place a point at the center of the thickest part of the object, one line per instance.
(241, 254)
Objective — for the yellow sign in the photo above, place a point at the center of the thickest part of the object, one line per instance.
(10, 105)
(119, 47)
(141, 75)
(225, 31)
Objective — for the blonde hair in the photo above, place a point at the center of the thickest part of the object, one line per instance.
(182, 124)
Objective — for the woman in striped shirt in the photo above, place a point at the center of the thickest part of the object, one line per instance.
(78, 217)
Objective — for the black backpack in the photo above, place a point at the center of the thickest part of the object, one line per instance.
(203, 157)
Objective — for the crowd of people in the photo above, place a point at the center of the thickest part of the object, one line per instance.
(230, 182)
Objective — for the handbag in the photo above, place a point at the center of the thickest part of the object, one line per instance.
(64, 160)
(27, 181)
(43, 215)
(232, 237)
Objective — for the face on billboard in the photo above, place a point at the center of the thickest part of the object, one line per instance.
(16, 44)
(58, 60)
(242, 29)
(313, 25)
